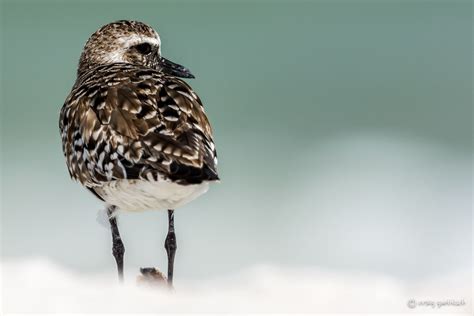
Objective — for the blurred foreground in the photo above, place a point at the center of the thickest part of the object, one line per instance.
(41, 286)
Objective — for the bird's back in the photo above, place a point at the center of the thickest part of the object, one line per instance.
(129, 122)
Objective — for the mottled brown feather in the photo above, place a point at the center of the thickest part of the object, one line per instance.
(124, 121)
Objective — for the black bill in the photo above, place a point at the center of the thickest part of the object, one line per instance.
(170, 68)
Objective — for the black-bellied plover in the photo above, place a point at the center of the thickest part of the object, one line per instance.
(134, 134)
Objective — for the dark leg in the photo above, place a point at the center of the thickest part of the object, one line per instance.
(117, 245)
(170, 246)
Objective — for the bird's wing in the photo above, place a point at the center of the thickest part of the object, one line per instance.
(136, 124)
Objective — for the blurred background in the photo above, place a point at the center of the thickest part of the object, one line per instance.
(343, 128)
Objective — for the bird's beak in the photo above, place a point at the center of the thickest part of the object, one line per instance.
(170, 68)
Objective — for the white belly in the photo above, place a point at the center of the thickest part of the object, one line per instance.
(141, 195)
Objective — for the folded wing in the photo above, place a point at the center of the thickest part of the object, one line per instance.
(136, 124)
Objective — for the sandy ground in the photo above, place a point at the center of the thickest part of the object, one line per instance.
(41, 286)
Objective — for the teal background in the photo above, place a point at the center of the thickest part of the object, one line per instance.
(343, 128)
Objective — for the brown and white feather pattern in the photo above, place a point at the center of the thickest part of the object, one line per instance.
(124, 121)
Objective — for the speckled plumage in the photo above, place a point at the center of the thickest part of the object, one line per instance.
(130, 120)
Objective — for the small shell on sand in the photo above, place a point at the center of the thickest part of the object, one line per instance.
(152, 277)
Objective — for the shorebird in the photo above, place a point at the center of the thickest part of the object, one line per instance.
(133, 133)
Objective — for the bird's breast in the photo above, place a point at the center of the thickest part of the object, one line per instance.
(141, 195)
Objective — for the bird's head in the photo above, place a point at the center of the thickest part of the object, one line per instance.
(130, 42)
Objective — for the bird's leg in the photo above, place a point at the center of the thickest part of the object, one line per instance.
(117, 245)
(170, 246)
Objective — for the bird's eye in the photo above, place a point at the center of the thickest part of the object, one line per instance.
(143, 48)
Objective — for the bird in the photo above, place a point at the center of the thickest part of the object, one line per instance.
(133, 132)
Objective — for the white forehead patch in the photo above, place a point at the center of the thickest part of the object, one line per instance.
(135, 39)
